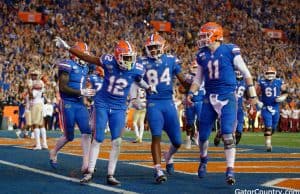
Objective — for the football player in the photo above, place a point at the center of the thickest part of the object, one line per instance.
(216, 66)
(192, 112)
(240, 90)
(36, 89)
(273, 92)
(72, 80)
(138, 102)
(120, 71)
(161, 110)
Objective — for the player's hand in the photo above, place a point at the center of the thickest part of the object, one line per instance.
(87, 92)
(152, 90)
(60, 43)
(257, 103)
(189, 101)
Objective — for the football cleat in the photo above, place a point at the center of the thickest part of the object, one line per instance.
(87, 177)
(188, 144)
(238, 136)
(53, 160)
(170, 168)
(111, 180)
(269, 149)
(202, 167)
(218, 138)
(160, 177)
(202, 170)
(37, 148)
(230, 176)
(53, 164)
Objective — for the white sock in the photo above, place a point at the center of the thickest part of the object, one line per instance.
(268, 140)
(230, 157)
(203, 146)
(93, 155)
(37, 137)
(85, 144)
(44, 137)
(157, 167)
(170, 153)
(59, 144)
(141, 129)
(114, 155)
(136, 129)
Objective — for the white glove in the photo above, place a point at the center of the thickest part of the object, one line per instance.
(259, 104)
(87, 92)
(152, 89)
(60, 43)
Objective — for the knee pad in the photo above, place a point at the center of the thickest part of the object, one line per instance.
(268, 132)
(228, 141)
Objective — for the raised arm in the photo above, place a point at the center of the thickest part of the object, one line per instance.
(82, 55)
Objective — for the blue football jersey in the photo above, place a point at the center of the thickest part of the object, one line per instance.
(270, 90)
(218, 68)
(240, 90)
(160, 73)
(198, 95)
(117, 83)
(77, 77)
(96, 82)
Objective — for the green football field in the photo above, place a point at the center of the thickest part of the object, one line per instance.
(290, 140)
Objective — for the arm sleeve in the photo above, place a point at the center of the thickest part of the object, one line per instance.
(198, 79)
(240, 64)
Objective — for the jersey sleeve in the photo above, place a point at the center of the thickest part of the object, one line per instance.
(64, 66)
(235, 50)
(177, 66)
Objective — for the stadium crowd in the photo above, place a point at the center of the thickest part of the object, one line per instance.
(25, 47)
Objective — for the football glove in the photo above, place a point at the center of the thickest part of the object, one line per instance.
(60, 43)
(87, 92)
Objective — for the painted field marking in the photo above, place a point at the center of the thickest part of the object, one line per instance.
(46, 173)
(274, 182)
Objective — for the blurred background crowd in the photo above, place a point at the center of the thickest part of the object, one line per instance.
(100, 23)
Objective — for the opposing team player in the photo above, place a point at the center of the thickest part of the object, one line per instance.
(138, 102)
(216, 66)
(36, 89)
(120, 71)
(272, 91)
(161, 110)
(72, 81)
(240, 90)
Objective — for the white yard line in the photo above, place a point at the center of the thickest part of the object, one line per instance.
(46, 173)
(278, 180)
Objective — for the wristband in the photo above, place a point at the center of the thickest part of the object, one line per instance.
(252, 91)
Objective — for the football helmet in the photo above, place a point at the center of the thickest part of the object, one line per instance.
(81, 46)
(193, 67)
(154, 46)
(239, 75)
(125, 54)
(210, 33)
(270, 74)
